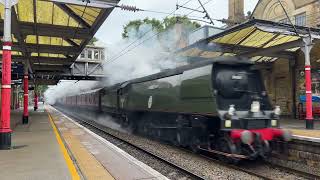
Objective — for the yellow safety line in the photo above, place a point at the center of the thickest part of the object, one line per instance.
(71, 167)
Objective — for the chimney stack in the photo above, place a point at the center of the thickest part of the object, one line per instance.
(236, 12)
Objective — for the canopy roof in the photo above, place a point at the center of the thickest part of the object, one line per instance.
(50, 34)
(262, 41)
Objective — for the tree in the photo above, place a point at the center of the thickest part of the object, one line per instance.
(184, 20)
(92, 41)
(156, 25)
(159, 26)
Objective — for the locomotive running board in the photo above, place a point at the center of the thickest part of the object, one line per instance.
(225, 154)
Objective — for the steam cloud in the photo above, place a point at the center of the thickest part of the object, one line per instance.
(152, 56)
(68, 88)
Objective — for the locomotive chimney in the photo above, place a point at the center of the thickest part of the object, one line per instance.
(236, 9)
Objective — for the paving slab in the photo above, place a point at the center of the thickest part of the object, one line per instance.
(120, 164)
(35, 152)
(298, 129)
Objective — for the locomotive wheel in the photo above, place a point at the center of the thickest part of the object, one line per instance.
(177, 142)
(225, 145)
(194, 146)
(142, 129)
(125, 121)
(129, 122)
(266, 148)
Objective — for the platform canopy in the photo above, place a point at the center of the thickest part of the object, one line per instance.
(49, 35)
(260, 40)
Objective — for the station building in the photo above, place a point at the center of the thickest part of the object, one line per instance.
(284, 78)
(92, 53)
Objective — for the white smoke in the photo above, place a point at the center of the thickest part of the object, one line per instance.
(152, 56)
(68, 88)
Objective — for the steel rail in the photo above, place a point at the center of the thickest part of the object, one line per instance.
(95, 125)
(294, 171)
(102, 129)
(231, 166)
(235, 167)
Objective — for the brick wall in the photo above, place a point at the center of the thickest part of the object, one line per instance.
(278, 83)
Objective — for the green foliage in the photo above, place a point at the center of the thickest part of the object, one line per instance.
(170, 22)
(156, 25)
(41, 88)
(92, 41)
(159, 26)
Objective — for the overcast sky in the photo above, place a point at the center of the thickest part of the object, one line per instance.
(110, 31)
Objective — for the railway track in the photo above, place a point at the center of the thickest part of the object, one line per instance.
(95, 127)
(300, 173)
(191, 174)
(247, 168)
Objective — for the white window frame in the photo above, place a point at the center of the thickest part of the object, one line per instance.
(302, 18)
(92, 55)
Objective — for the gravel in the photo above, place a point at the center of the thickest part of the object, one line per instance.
(202, 166)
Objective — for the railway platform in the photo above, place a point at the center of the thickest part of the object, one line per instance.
(35, 152)
(299, 131)
(52, 146)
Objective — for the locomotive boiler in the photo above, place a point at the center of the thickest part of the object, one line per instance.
(218, 105)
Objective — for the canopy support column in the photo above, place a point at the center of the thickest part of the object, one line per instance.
(5, 129)
(306, 50)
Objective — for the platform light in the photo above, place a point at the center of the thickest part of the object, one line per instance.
(255, 106)
(228, 123)
(277, 111)
(274, 122)
(231, 110)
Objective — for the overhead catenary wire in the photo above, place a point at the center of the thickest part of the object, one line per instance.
(125, 52)
(199, 7)
(113, 59)
(206, 12)
(120, 53)
(285, 11)
(168, 13)
(207, 16)
(144, 34)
